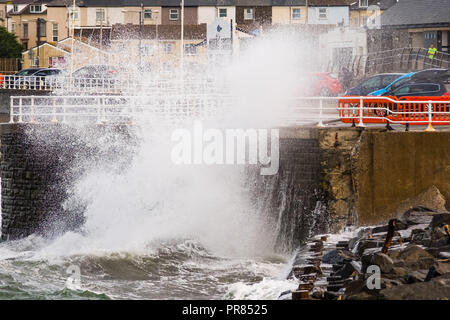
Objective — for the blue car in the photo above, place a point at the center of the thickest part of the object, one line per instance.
(395, 83)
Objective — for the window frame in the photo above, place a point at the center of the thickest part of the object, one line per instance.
(364, 20)
(319, 14)
(53, 32)
(168, 45)
(361, 3)
(219, 13)
(172, 12)
(187, 48)
(25, 28)
(299, 14)
(148, 12)
(103, 12)
(246, 14)
(33, 8)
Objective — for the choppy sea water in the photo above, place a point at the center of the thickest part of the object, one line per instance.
(35, 268)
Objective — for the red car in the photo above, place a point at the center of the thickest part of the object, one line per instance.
(326, 84)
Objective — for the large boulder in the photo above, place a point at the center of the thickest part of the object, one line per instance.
(440, 219)
(413, 257)
(439, 236)
(410, 253)
(416, 276)
(431, 198)
(440, 268)
(368, 244)
(337, 256)
(380, 259)
(383, 261)
(436, 289)
(418, 215)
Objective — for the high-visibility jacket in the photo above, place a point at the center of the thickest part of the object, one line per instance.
(431, 52)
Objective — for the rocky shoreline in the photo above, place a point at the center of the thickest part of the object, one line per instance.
(407, 259)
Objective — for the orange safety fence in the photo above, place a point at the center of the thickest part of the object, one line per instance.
(411, 110)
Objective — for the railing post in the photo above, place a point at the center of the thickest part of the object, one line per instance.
(102, 104)
(320, 124)
(64, 110)
(11, 111)
(32, 110)
(54, 120)
(99, 115)
(430, 117)
(361, 112)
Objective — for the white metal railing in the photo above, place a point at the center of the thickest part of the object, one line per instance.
(228, 109)
(115, 109)
(126, 84)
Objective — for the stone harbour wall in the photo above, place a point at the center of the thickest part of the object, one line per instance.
(336, 175)
(40, 164)
(327, 177)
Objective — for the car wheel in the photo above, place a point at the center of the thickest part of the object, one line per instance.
(325, 92)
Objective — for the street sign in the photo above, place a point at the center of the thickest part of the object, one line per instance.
(218, 29)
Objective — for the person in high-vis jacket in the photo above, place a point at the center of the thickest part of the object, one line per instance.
(431, 53)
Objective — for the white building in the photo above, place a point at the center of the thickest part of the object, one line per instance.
(337, 15)
(207, 14)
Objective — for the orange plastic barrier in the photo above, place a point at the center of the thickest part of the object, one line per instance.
(376, 110)
(1, 79)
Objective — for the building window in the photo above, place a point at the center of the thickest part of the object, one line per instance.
(13, 28)
(363, 21)
(295, 13)
(363, 3)
(73, 14)
(248, 14)
(35, 8)
(42, 28)
(222, 12)
(147, 49)
(25, 30)
(148, 14)
(55, 37)
(190, 50)
(100, 15)
(323, 13)
(168, 47)
(15, 8)
(173, 14)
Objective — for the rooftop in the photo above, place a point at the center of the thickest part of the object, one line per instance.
(414, 13)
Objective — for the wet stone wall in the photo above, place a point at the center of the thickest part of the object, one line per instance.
(39, 165)
(292, 199)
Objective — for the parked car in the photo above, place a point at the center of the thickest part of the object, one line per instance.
(48, 78)
(419, 89)
(373, 83)
(326, 84)
(95, 76)
(20, 78)
(429, 75)
(323, 84)
(404, 78)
